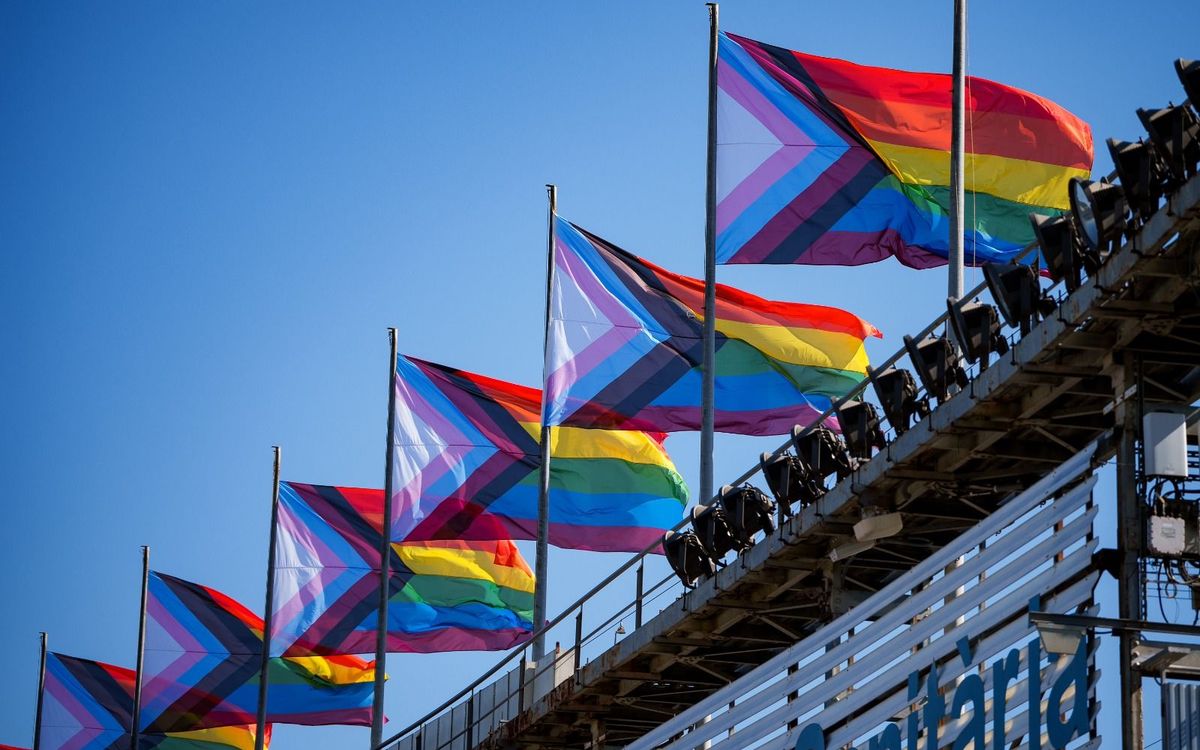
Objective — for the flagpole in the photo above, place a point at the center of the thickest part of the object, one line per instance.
(708, 386)
(134, 729)
(541, 562)
(957, 191)
(385, 553)
(268, 610)
(37, 717)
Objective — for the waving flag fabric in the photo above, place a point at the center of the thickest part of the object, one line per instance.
(467, 466)
(626, 348)
(824, 162)
(88, 705)
(445, 595)
(204, 656)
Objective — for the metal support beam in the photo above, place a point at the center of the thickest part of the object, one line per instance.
(1129, 543)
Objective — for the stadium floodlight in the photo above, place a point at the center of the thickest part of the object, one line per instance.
(1189, 75)
(1099, 209)
(1015, 290)
(1140, 175)
(687, 557)
(897, 394)
(977, 328)
(937, 365)
(877, 524)
(790, 481)
(1175, 134)
(1056, 238)
(849, 549)
(860, 428)
(713, 531)
(824, 453)
(748, 511)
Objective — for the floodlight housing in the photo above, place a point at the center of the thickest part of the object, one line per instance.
(860, 428)
(878, 525)
(687, 557)
(937, 365)
(1099, 209)
(897, 394)
(1056, 238)
(977, 328)
(1018, 296)
(748, 511)
(790, 481)
(1189, 76)
(1175, 134)
(1140, 174)
(823, 453)
(713, 531)
(849, 549)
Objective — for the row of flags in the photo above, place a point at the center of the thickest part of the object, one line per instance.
(819, 161)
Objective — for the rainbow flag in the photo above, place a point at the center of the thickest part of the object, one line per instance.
(824, 162)
(445, 595)
(626, 348)
(203, 661)
(467, 459)
(88, 705)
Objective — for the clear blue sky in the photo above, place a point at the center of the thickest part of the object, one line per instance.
(210, 212)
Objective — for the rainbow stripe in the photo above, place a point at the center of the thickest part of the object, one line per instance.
(88, 705)
(467, 465)
(203, 661)
(446, 596)
(824, 162)
(626, 348)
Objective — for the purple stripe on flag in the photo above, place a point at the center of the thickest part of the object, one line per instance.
(860, 248)
(825, 188)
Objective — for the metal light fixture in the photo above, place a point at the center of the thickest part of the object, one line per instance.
(937, 365)
(860, 427)
(1018, 296)
(824, 453)
(687, 557)
(1189, 75)
(877, 524)
(977, 328)
(1175, 134)
(897, 394)
(1099, 209)
(1056, 238)
(790, 481)
(1140, 175)
(747, 511)
(849, 549)
(713, 530)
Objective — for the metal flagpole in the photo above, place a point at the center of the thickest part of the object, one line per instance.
(708, 387)
(37, 717)
(541, 562)
(134, 729)
(957, 192)
(261, 723)
(385, 554)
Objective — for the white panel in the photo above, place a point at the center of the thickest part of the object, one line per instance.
(1029, 548)
(1164, 435)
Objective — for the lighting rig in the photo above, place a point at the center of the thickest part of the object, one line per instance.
(747, 511)
(861, 428)
(977, 328)
(714, 531)
(1018, 296)
(687, 557)
(937, 366)
(897, 394)
(790, 481)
